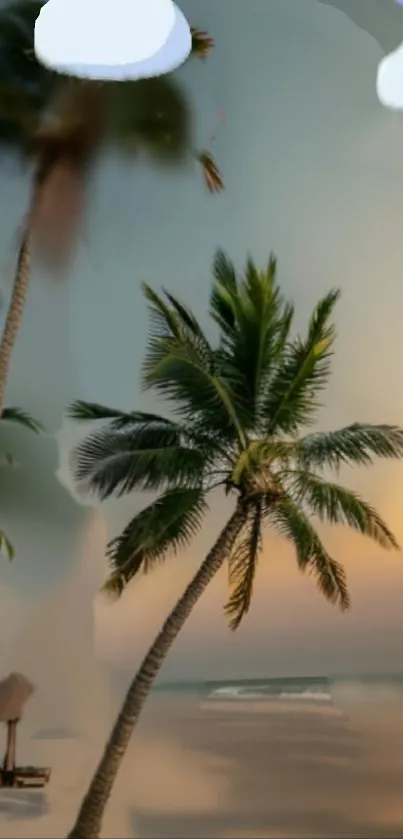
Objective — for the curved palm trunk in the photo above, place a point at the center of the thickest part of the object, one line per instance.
(89, 820)
(15, 311)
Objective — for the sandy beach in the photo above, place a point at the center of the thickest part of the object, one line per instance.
(279, 770)
(247, 769)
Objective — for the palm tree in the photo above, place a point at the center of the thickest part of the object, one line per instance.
(19, 417)
(239, 409)
(59, 123)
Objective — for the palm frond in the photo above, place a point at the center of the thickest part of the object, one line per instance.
(170, 318)
(114, 585)
(224, 291)
(91, 411)
(20, 417)
(186, 320)
(242, 565)
(337, 505)
(6, 547)
(356, 444)
(224, 272)
(223, 309)
(202, 43)
(181, 366)
(292, 523)
(292, 399)
(165, 526)
(143, 456)
(182, 375)
(254, 324)
(211, 173)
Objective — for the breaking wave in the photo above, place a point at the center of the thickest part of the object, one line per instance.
(271, 691)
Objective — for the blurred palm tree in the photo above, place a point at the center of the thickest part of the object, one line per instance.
(240, 407)
(20, 417)
(58, 124)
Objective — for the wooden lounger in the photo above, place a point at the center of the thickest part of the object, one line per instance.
(25, 777)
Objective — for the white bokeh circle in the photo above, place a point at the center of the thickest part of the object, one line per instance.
(130, 39)
(389, 81)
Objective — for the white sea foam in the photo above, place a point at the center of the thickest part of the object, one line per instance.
(306, 695)
(231, 692)
(245, 694)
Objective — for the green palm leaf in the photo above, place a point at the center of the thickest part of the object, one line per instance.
(144, 456)
(165, 526)
(293, 395)
(292, 523)
(211, 172)
(20, 417)
(254, 324)
(224, 277)
(186, 322)
(180, 365)
(223, 296)
(6, 547)
(169, 318)
(91, 411)
(242, 565)
(181, 373)
(358, 443)
(337, 505)
(202, 43)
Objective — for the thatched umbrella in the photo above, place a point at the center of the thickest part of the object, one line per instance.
(14, 692)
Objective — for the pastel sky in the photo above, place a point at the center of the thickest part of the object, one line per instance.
(313, 169)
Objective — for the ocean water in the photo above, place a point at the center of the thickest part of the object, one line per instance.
(320, 689)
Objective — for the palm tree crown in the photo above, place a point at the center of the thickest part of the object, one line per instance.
(60, 123)
(41, 110)
(240, 411)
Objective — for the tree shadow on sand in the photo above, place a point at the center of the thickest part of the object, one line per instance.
(22, 804)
